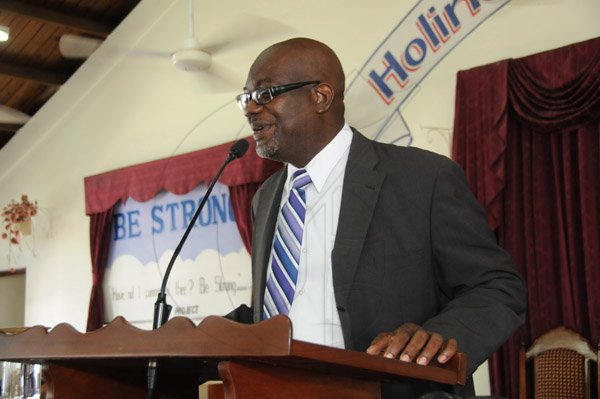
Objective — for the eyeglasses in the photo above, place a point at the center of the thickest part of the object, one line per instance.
(267, 94)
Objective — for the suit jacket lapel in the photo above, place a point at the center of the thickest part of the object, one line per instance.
(361, 190)
(265, 220)
(359, 196)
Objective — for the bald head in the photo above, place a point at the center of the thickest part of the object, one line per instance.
(306, 59)
(293, 125)
(302, 59)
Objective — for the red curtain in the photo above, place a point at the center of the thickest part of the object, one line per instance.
(241, 198)
(178, 175)
(100, 224)
(527, 132)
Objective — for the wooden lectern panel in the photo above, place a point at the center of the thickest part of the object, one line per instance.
(77, 382)
(117, 356)
(254, 381)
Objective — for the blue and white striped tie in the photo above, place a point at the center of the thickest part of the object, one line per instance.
(285, 256)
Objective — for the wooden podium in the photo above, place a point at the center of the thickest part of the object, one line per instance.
(253, 361)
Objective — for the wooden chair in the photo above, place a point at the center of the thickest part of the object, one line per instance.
(559, 364)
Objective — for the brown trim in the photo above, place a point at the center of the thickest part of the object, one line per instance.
(38, 75)
(9, 129)
(12, 272)
(56, 17)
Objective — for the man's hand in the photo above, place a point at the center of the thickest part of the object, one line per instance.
(410, 343)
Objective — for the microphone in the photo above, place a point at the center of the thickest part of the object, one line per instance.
(238, 149)
(161, 308)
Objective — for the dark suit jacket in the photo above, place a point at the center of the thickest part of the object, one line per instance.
(412, 245)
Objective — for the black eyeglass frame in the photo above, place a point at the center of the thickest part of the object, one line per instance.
(243, 99)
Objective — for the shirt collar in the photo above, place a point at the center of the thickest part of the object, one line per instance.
(323, 163)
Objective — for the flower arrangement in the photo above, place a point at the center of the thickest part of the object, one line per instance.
(14, 215)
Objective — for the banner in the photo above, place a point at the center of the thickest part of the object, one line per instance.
(212, 274)
(416, 45)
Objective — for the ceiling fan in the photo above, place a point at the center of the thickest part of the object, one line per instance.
(236, 32)
(191, 57)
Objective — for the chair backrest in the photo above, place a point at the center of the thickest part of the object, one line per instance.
(561, 367)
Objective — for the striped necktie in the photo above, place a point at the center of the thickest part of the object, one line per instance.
(285, 255)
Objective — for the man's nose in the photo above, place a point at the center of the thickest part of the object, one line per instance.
(252, 108)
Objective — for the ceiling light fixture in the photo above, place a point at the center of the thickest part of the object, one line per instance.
(4, 33)
(74, 46)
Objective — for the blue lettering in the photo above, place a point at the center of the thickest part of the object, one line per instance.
(119, 226)
(219, 208)
(172, 207)
(443, 31)
(157, 223)
(206, 212)
(231, 213)
(450, 14)
(133, 223)
(188, 209)
(394, 69)
(429, 33)
(420, 45)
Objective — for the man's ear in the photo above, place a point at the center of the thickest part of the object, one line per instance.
(324, 97)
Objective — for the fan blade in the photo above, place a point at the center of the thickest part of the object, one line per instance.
(151, 53)
(117, 50)
(240, 32)
(222, 79)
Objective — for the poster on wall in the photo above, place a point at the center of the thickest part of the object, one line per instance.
(211, 275)
(421, 40)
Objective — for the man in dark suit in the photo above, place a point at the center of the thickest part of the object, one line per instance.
(404, 264)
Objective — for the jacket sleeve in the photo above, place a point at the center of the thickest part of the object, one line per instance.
(486, 297)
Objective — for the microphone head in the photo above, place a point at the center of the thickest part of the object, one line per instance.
(239, 148)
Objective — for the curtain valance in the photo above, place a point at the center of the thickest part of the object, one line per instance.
(179, 174)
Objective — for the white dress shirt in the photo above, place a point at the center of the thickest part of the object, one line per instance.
(313, 313)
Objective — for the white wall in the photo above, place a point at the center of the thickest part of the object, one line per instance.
(12, 301)
(127, 105)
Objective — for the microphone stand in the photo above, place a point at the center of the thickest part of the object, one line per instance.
(161, 308)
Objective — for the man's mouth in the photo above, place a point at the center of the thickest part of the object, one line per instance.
(259, 130)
